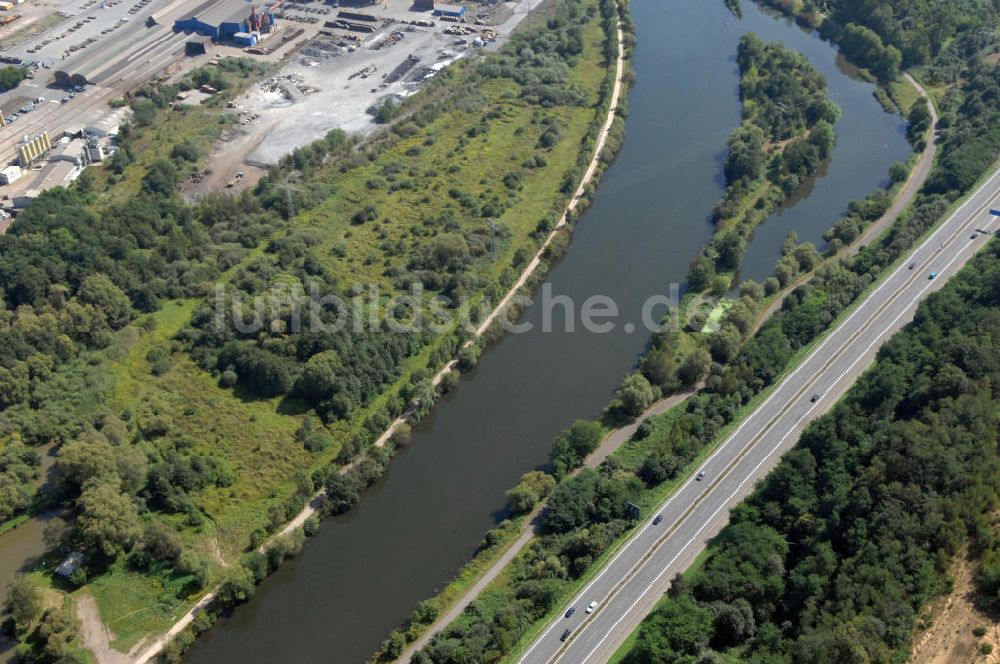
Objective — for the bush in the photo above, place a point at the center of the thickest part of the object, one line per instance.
(317, 442)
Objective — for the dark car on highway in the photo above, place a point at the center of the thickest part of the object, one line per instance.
(656, 521)
(565, 635)
(570, 611)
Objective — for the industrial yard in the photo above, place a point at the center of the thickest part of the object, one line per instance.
(337, 61)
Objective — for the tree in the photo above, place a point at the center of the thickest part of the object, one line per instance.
(823, 137)
(186, 151)
(865, 47)
(898, 172)
(918, 120)
(260, 370)
(701, 272)
(533, 486)
(342, 493)
(660, 367)
(56, 634)
(24, 601)
(745, 160)
(725, 343)
(571, 446)
(730, 247)
(658, 468)
(237, 586)
(10, 77)
(108, 519)
(571, 502)
(161, 542)
(319, 376)
(636, 394)
(161, 178)
(695, 366)
(82, 460)
(676, 631)
(394, 646)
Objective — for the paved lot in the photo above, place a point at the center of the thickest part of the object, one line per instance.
(631, 584)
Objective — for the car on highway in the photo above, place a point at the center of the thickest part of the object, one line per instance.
(974, 236)
(911, 266)
(565, 635)
(932, 275)
(570, 611)
(814, 398)
(591, 607)
(658, 519)
(700, 475)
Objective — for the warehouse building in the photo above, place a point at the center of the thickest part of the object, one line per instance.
(10, 174)
(233, 27)
(449, 11)
(197, 26)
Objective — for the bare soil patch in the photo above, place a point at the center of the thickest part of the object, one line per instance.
(952, 622)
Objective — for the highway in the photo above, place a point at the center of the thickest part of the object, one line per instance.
(637, 575)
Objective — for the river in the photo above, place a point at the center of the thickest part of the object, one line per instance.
(363, 573)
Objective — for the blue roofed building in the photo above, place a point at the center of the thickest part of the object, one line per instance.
(197, 26)
(449, 11)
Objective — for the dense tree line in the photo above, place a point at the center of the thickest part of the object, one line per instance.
(886, 36)
(918, 31)
(970, 130)
(72, 276)
(833, 555)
